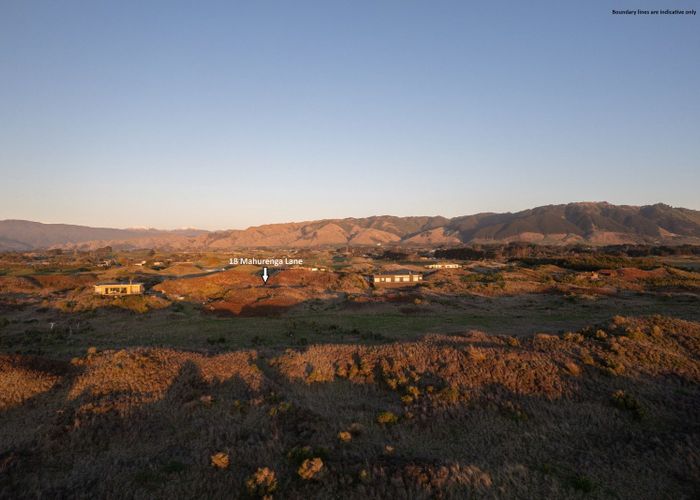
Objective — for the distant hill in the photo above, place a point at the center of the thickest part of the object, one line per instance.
(594, 223)
(27, 235)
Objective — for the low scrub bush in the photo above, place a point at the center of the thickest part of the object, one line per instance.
(262, 483)
(623, 401)
(310, 469)
(387, 418)
(220, 460)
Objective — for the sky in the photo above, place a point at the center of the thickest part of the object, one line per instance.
(230, 114)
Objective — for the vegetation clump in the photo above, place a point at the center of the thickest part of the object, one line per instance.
(220, 460)
(310, 468)
(612, 367)
(387, 418)
(576, 338)
(449, 394)
(627, 402)
(262, 483)
(572, 368)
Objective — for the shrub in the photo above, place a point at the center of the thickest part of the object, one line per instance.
(483, 278)
(587, 359)
(310, 468)
(545, 342)
(627, 402)
(619, 320)
(220, 460)
(573, 337)
(612, 367)
(315, 376)
(280, 408)
(572, 368)
(364, 476)
(262, 483)
(392, 383)
(387, 418)
(449, 394)
(634, 333)
(475, 353)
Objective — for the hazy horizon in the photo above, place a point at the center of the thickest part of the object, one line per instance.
(300, 221)
(226, 116)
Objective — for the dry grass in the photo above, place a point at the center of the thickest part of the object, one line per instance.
(122, 381)
(241, 293)
(23, 377)
(611, 415)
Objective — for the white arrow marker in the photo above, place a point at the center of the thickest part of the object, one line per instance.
(265, 276)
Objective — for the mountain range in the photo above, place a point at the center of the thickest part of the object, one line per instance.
(595, 223)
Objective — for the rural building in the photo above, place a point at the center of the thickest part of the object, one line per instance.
(314, 269)
(119, 289)
(443, 266)
(402, 277)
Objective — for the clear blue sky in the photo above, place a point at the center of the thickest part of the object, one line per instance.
(229, 114)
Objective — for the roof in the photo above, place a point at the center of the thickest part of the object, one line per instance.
(398, 272)
(116, 284)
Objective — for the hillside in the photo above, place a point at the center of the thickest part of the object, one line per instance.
(609, 411)
(27, 235)
(593, 223)
(596, 223)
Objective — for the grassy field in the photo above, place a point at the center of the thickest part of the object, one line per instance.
(188, 327)
(608, 411)
(498, 380)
